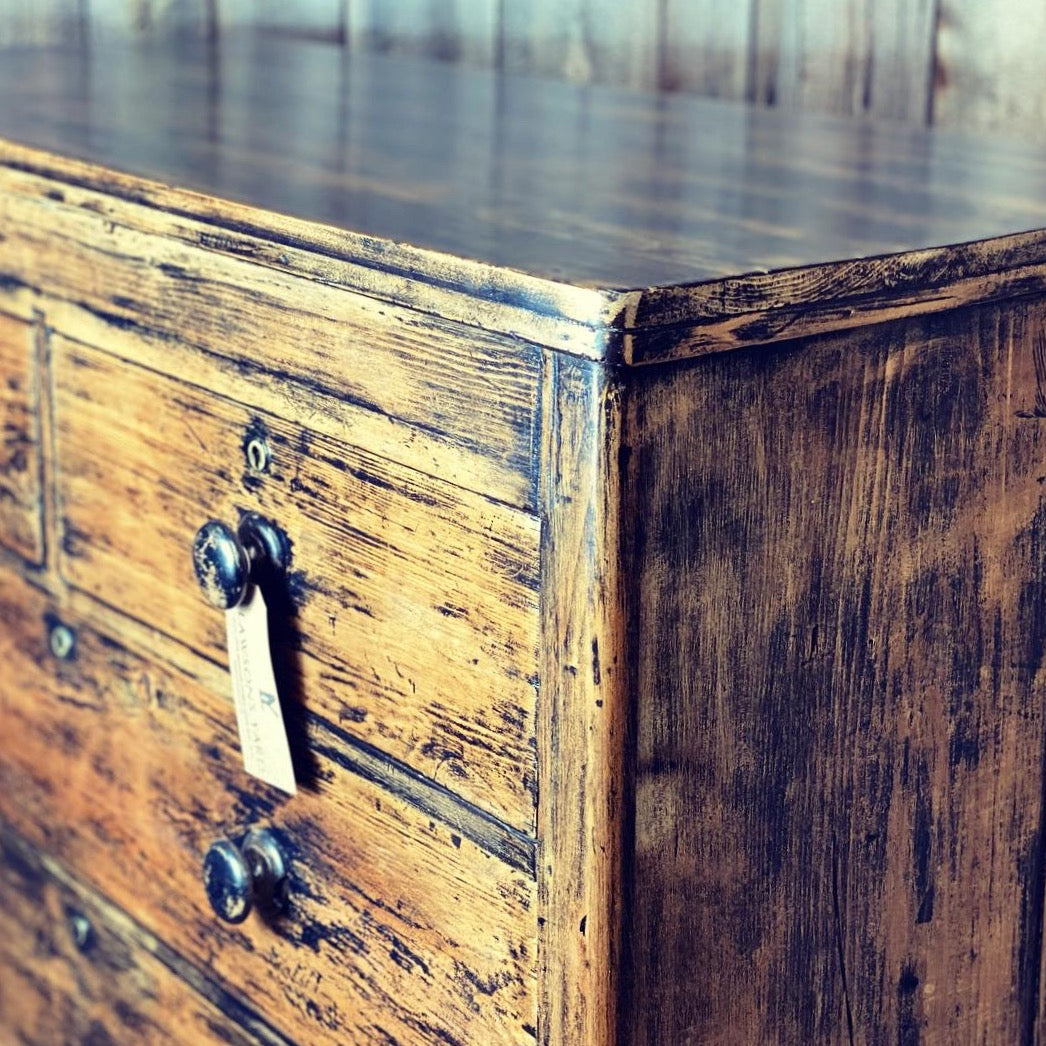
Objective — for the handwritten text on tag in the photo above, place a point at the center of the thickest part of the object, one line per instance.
(263, 737)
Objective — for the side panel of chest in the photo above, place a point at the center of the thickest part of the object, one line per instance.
(839, 550)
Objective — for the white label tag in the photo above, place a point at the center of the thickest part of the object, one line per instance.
(263, 738)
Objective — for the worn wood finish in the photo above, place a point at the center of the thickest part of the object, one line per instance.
(933, 281)
(840, 726)
(757, 630)
(411, 607)
(126, 768)
(21, 519)
(603, 199)
(585, 800)
(111, 982)
(411, 387)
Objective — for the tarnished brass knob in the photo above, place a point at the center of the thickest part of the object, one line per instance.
(240, 878)
(224, 559)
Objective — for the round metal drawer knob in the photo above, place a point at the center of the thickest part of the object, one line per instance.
(240, 878)
(222, 565)
(224, 558)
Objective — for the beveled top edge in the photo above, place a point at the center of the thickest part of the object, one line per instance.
(610, 224)
(622, 326)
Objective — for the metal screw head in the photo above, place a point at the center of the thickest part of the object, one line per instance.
(80, 928)
(256, 451)
(62, 640)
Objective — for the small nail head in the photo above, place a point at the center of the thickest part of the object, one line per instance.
(63, 641)
(80, 928)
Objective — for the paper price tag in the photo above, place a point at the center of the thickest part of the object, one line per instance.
(263, 737)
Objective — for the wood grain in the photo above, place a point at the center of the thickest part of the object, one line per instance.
(127, 768)
(413, 388)
(115, 983)
(584, 736)
(453, 289)
(748, 311)
(593, 188)
(410, 612)
(21, 520)
(840, 731)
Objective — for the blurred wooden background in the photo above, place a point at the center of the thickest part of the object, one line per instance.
(966, 63)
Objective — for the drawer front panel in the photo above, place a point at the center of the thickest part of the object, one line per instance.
(20, 507)
(413, 605)
(127, 768)
(76, 970)
(438, 396)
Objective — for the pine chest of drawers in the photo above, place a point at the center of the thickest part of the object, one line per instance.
(660, 633)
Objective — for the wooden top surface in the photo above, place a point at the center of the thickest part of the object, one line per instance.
(653, 205)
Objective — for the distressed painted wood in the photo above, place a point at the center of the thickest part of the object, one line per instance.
(588, 220)
(585, 801)
(840, 726)
(21, 516)
(125, 767)
(93, 975)
(361, 370)
(664, 483)
(409, 614)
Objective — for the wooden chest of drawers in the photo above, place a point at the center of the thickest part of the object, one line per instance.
(660, 642)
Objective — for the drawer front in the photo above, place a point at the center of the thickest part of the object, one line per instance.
(76, 970)
(126, 768)
(20, 507)
(411, 613)
(219, 309)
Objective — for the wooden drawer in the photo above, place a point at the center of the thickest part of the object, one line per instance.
(76, 969)
(20, 493)
(400, 926)
(410, 612)
(219, 309)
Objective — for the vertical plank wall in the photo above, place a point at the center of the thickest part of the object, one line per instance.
(957, 63)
